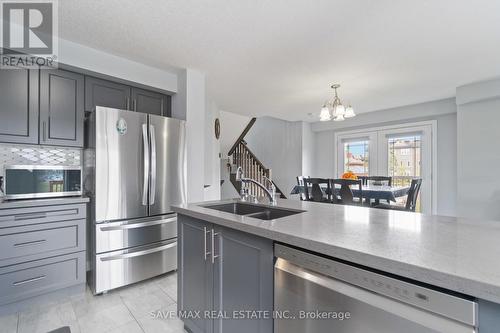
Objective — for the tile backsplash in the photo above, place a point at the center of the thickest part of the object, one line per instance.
(12, 154)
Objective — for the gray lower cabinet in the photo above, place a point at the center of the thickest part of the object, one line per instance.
(61, 108)
(151, 102)
(224, 271)
(100, 92)
(31, 242)
(243, 280)
(195, 272)
(42, 249)
(19, 106)
(33, 278)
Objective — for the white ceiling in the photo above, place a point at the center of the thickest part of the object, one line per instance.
(279, 57)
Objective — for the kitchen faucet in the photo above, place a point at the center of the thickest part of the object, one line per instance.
(244, 191)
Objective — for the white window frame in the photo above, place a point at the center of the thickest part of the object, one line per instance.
(352, 137)
(378, 148)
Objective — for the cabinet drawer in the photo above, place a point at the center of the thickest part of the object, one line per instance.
(33, 215)
(120, 268)
(22, 281)
(19, 244)
(125, 234)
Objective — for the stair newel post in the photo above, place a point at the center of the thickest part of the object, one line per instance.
(259, 169)
(245, 159)
(253, 175)
(241, 156)
(261, 179)
(235, 157)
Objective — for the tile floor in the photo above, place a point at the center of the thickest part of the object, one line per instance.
(126, 310)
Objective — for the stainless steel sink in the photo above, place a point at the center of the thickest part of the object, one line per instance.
(255, 211)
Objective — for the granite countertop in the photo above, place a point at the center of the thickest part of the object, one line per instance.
(42, 202)
(458, 254)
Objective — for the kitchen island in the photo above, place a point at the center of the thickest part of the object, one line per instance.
(458, 255)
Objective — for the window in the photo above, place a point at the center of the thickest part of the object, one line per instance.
(356, 157)
(403, 151)
(404, 160)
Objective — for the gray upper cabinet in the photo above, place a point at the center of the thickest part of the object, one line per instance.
(61, 108)
(19, 106)
(48, 107)
(223, 270)
(150, 102)
(106, 93)
(243, 280)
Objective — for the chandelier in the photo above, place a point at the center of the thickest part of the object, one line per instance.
(334, 109)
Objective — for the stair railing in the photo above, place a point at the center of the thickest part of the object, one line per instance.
(252, 167)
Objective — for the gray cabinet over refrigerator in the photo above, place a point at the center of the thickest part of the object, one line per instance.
(134, 170)
(99, 92)
(105, 93)
(47, 106)
(150, 102)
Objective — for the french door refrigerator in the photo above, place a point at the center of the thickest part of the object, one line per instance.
(134, 170)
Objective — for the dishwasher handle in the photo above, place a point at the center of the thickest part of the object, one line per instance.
(400, 309)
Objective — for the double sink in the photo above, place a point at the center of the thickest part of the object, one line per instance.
(253, 210)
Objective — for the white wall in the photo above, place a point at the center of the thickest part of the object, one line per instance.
(212, 150)
(81, 56)
(190, 105)
(308, 149)
(478, 158)
(231, 125)
(278, 145)
(444, 111)
(323, 159)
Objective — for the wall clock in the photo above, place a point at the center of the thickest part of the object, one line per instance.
(217, 128)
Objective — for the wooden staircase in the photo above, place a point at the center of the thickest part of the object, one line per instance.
(241, 156)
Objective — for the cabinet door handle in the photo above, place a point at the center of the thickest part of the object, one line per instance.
(38, 278)
(206, 253)
(35, 242)
(30, 216)
(135, 105)
(214, 256)
(44, 131)
(127, 102)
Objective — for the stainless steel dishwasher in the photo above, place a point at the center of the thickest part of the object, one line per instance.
(309, 287)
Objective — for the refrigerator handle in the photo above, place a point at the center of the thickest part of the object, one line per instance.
(152, 140)
(146, 165)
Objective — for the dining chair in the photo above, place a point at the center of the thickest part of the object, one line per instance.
(364, 179)
(346, 195)
(378, 179)
(411, 200)
(300, 183)
(314, 192)
(387, 180)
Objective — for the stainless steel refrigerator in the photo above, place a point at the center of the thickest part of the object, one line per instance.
(134, 170)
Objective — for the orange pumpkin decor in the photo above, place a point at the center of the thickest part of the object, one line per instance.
(349, 175)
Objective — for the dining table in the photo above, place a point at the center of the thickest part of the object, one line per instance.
(370, 192)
